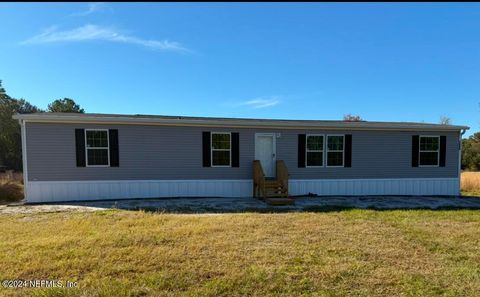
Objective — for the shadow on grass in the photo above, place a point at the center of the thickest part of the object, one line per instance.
(314, 209)
(267, 210)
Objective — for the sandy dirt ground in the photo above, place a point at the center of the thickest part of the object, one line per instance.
(32, 209)
(227, 205)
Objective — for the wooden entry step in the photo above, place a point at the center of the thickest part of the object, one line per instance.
(276, 187)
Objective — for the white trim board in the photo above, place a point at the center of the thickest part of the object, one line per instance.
(23, 132)
(51, 191)
(230, 122)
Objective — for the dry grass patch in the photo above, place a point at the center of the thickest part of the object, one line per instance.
(11, 187)
(470, 183)
(359, 252)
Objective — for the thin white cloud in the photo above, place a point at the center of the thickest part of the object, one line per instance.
(262, 102)
(92, 8)
(93, 32)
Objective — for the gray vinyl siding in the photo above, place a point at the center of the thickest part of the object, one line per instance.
(375, 154)
(175, 153)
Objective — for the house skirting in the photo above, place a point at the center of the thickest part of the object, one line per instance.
(52, 191)
(399, 186)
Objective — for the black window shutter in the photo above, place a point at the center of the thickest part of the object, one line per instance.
(301, 150)
(80, 147)
(206, 149)
(113, 142)
(348, 150)
(415, 150)
(443, 149)
(235, 149)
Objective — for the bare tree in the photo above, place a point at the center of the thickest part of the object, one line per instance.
(444, 120)
(352, 118)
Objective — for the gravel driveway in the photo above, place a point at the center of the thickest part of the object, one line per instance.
(220, 205)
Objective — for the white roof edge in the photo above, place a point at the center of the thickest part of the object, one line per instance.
(230, 122)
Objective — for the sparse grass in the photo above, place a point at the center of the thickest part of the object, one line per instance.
(11, 187)
(470, 183)
(355, 252)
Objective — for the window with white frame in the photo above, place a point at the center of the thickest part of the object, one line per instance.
(314, 147)
(221, 149)
(429, 150)
(97, 147)
(335, 150)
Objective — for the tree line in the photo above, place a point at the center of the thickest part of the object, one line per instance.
(10, 136)
(471, 153)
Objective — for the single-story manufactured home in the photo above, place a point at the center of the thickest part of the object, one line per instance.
(71, 156)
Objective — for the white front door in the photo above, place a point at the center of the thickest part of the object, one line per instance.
(265, 152)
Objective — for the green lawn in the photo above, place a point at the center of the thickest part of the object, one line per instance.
(355, 252)
(470, 194)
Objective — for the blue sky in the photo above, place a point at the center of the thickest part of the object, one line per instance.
(385, 62)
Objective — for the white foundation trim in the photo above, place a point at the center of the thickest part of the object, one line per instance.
(51, 191)
(394, 186)
(24, 158)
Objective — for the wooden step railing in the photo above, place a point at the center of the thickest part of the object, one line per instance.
(258, 179)
(282, 175)
(270, 188)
